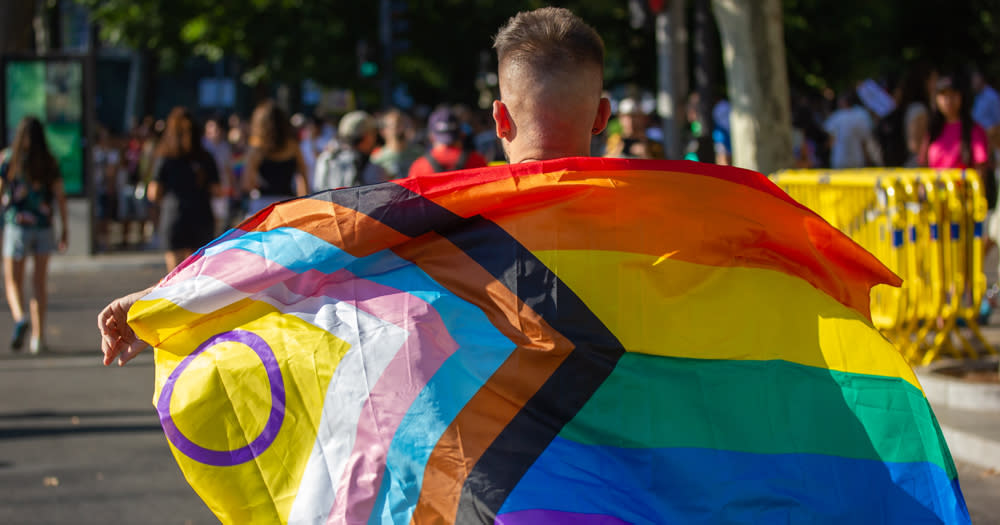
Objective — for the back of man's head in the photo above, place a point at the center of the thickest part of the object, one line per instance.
(548, 40)
(551, 69)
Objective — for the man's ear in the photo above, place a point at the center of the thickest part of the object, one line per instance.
(603, 114)
(502, 118)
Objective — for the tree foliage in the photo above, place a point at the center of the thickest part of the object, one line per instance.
(830, 43)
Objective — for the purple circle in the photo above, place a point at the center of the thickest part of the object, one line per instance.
(227, 458)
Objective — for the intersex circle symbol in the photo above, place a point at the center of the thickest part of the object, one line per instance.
(225, 458)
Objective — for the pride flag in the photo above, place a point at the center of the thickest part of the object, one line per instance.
(574, 341)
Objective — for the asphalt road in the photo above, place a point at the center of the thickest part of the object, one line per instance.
(80, 443)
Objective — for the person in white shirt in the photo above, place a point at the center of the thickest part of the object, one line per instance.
(851, 129)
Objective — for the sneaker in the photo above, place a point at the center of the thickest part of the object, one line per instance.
(20, 330)
(37, 346)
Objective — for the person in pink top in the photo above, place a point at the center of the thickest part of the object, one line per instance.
(956, 141)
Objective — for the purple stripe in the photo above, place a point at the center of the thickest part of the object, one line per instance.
(555, 517)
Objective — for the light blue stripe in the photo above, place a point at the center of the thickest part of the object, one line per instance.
(481, 350)
(693, 485)
(292, 248)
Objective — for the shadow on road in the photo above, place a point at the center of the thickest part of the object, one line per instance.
(29, 432)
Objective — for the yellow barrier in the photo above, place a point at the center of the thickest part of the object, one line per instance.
(925, 225)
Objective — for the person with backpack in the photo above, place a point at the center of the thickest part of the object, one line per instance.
(350, 163)
(446, 153)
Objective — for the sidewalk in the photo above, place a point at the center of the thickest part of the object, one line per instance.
(968, 412)
(70, 264)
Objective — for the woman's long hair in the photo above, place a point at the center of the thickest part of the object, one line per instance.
(269, 128)
(30, 157)
(182, 136)
(937, 120)
(181, 139)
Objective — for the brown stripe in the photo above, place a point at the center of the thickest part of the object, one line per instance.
(540, 350)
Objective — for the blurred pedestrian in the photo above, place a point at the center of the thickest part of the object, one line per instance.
(275, 170)
(398, 152)
(216, 143)
(631, 142)
(955, 139)
(447, 152)
(903, 132)
(852, 130)
(32, 188)
(350, 164)
(105, 158)
(183, 186)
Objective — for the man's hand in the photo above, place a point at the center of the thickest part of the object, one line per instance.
(117, 338)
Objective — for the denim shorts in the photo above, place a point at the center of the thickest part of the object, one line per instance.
(19, 241)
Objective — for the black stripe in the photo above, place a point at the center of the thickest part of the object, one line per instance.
(596, 349)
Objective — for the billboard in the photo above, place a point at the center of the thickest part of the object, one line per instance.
(50, 89)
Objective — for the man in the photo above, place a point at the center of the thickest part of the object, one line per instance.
(398, 153)
(852, 130)
(447, 153)
(350, 164)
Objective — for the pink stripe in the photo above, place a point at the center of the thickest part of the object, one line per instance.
(398, 387)
(240, 269)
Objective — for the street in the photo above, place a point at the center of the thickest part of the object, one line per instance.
(80, 443)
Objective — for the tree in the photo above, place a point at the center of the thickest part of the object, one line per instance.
(754, 57)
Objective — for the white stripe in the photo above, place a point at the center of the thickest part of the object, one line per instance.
(356, 374)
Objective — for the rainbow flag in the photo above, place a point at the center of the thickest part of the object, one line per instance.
(574, 341)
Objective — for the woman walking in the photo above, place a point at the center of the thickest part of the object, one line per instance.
(31, 186)
(275, 169)
(183, 186)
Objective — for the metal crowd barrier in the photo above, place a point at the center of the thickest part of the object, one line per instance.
(927, 226)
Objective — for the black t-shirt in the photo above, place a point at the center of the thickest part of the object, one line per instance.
(189, 180)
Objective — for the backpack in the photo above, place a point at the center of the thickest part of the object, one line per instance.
(437, 167)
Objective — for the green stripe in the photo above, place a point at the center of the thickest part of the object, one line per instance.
(765, 407)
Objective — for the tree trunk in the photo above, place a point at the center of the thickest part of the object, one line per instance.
(15, 26)
(754, 55)
(671, 49)
(705, 49)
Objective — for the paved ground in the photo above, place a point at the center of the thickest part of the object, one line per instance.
(80, 443)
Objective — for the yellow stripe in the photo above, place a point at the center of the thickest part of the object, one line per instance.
(222, 401)
(662, 306)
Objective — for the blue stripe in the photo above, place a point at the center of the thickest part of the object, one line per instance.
(691, 485)
(897, 238)
(934, 232)
(978, 230)
(955, 231)
(481, 350)
(292, 248)
(913, 234)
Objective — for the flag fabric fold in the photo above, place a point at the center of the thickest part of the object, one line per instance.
(573, 341)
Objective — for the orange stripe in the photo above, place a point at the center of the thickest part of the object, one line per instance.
(539, 351)
(698, 218)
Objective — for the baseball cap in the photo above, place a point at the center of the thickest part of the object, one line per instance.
(355, 124)
(443, 126)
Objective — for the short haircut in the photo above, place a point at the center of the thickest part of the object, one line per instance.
(549, 39)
